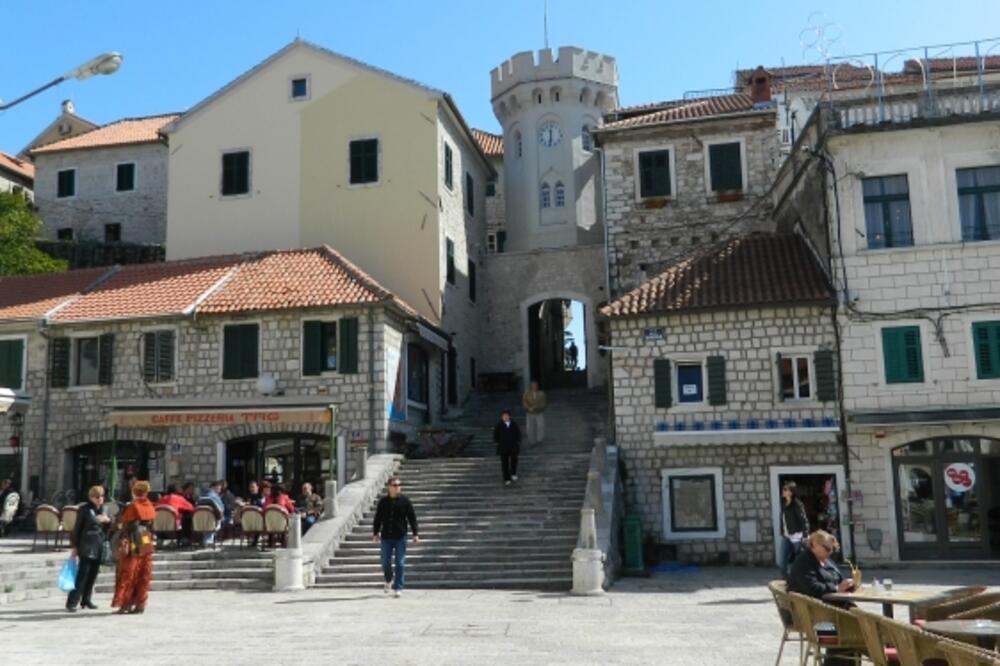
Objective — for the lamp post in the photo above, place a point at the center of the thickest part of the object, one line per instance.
(106, 63)
(16, 442)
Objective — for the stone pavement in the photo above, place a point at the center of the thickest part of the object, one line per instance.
(712, 616)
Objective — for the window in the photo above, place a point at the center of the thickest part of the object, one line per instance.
(491, 188)
(560, 195)
(12, 363)
(986, 338)
(725, 165)
(472, 372)
(546, 196)
(796, 383)
(452, 377)
(472, 280)
(491, 243)
(448, 168)
(979, 203)
(449, 248)
(66, 183)
(92, 357)
(586, 138)
(470, 194)
(902, 355)
(692, 503)
(364, 161)
(501, 240)
(64, 234)
(319, 347)
(240, 350)
(690, 383)
(125, 177)
(887, 211)
(417, 376)
(300, 88)
(235, 173)
(158, 349)
(112, 233)
(654, 173)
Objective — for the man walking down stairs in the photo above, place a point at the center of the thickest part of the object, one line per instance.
(392, 514)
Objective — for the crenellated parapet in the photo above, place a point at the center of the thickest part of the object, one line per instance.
(570, 63)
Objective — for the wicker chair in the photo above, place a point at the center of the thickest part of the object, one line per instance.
(876, 638)
(960, 654)
(984, 612)
(204, 522)
(949, 602)
(251, 524)
(811, 612)
(67, 521)
(46, 523)
(165, 524)
(791, 631)
(276, 524)
(913, 644)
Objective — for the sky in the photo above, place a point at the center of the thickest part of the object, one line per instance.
(179, 52)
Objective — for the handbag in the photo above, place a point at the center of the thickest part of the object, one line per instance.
(140, 539)
(67, 575)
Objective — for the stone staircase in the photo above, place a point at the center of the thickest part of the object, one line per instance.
(24, 579)
(477, 533)
(228, 568)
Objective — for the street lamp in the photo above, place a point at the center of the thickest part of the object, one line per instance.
(106, 63)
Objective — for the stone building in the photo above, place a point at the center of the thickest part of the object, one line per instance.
(16, 175)
(219, 367)
(900, 193)
(108, 184)
(496, 210)
(66, 125)
(682, 175)
(724, 388)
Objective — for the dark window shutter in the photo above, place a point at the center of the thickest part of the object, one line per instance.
(987, 342)
(165, 351)
(470, 194)
(826, 385)
(452, 377)
(230, 352)
(248, 350)
(902, 355)
(149, 360)
(716, 380)
(59, 373)
(913, 357)
(11, 363)
(348, 345)
(725, 167)
(781, 388)
(662, 383)
(448, 169)
(501, 240)
(106, 360)
(312, 348)
(472, 281)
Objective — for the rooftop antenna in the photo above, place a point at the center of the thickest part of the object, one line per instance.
(545, 22)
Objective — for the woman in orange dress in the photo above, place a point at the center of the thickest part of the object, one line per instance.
(135, 552)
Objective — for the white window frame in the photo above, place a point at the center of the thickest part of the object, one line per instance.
(74, 353)
(249, 193)
(23, 337)
(135, 177)
(708, 165)
(675, 362)
(638, 175)
(326, 319)
(720, 508)
(924, 355)
(260, 348)
(379, 156)
(308, 95)
(142, 354)
(794, 352)
(76, 182)
(544, 203)
(559, 192)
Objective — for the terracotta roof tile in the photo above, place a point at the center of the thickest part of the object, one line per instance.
(743, 272)
(492, 144)
(118, 133)
(679, 111)
(20, 167)
(962, 64)
(32, 296)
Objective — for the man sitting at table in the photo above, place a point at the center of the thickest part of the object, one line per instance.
(176, 500)
(814, 575)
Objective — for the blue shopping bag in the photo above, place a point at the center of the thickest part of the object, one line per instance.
(67, 576)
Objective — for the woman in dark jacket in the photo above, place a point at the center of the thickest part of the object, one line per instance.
(794, 526)
(87, 541)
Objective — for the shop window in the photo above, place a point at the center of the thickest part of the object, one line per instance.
(692, 503)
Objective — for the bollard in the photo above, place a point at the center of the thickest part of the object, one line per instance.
(330, 505)
(288, 569)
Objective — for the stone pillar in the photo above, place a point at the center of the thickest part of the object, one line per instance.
(288, 570)
(330, 506)
(588, 561)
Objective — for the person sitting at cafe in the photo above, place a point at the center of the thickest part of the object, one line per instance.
(173, 498)
(310, 506)
(254, 496)
(213, 498)
(189, 493)
(280, 497)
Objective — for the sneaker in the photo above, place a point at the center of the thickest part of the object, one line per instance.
(506, 483)
(398, 594)
(388, 588)
(514, 477)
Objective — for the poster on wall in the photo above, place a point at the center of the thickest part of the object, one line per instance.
(394, 369)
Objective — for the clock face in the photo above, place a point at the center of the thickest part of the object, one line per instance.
(549, 134)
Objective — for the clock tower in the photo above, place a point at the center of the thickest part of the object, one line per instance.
(547, 108)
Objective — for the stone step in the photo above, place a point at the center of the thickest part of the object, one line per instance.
(458, 566)
(456, 547)
(417, 554)
(492, 579)
(199, 574)
(30, 595)
(519, 583)
(198, 584)
(483, 534)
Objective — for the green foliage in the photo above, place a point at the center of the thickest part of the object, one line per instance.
(19, 229)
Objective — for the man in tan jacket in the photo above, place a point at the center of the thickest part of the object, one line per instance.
(534, 403)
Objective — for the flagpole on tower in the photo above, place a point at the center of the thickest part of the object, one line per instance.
(545, 22)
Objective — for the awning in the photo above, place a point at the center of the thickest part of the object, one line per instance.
(820, 435)
(433, 337)
(924, 416)
(168, 412)
(12, 401)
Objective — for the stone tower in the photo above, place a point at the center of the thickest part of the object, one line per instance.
(546, 108)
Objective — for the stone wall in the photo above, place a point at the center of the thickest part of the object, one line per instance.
(496, 205)
(142, 213)
(646, 237)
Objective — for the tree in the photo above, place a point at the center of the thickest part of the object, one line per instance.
(19, 228)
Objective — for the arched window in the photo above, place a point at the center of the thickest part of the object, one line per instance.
(560, 195)
(587, 138)
(546, 196)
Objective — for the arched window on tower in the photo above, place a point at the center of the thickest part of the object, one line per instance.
(546, 196)
(587, 138)
(560, 195)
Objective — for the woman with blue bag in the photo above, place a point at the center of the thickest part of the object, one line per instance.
(88, 543)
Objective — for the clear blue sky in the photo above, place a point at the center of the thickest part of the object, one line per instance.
(178, 52)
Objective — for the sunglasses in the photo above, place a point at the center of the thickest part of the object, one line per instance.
(395, 484)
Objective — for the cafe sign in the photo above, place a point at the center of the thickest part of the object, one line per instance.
(221, 417)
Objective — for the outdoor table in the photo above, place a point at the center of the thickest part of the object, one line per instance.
(888, 598)
(986, 632)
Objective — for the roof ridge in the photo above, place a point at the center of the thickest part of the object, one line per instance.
(357, 272)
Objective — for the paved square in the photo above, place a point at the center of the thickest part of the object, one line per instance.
(709, 617)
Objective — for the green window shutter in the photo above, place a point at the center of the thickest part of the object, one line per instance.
(249, 334)
(312, 352)
(165, 351)
(662, 383)
(348, 344)
(781, 392)
(149, 359)
(59, 373)
(11, 364)
(470, 194)
(826, 386)
(106, 359)
(716, 380)
(903, 356)
(987, 342)
(230, 352)
(725, 167)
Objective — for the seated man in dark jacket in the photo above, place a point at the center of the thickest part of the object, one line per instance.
(814, 575)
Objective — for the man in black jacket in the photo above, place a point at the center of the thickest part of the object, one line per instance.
(507, 437)
(394, 511)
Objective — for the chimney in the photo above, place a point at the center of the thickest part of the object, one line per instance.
(68, 108)
(760, 86)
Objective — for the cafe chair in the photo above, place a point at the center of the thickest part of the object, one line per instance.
(988, 611)
(112, 509)
(960, 654)
(251, 524)
(948, 603)
(876, 639)
(846, 633)
(203, 523)
(165, 525)
(791, 631)
(46, 523)
(913, 644)
(276, 524)
(67, 521)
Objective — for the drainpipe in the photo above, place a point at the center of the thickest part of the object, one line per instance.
(45, 411)
(371, 381)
